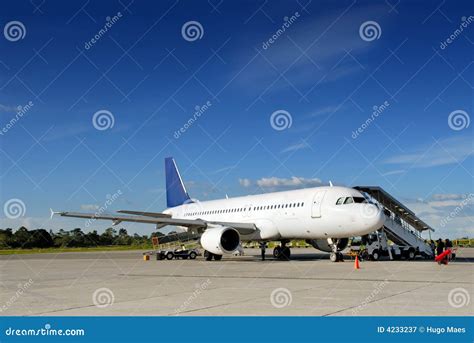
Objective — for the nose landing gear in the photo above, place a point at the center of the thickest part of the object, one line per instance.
(336, 255)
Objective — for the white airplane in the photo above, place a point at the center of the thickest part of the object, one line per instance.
(324, 216)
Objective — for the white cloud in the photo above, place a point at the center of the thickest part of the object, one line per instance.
(5, 108)
(326, 110)
(245, 182)
(296, 147)
(448, 196)
(450, 218)
(325, 39)
(394, 172)
(220, 170)
(276, 183)
(452, 200)
(67, 131)
(89, 207)
(446, 151)
(292, 182)
(444, 203)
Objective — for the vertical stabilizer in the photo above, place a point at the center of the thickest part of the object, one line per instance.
(175, 192)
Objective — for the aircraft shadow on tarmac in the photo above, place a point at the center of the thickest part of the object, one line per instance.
(323, 256)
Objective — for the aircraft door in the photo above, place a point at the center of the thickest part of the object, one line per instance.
(316, 204)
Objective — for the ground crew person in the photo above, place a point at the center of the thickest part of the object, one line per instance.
(263, 246)
(439, 247)
(432, 246)
(449, 246)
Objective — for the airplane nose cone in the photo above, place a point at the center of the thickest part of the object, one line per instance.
(373, 216)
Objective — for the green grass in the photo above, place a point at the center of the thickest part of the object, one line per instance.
(57, 250)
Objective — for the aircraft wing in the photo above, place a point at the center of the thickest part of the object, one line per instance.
(146, 214)
(242, 228)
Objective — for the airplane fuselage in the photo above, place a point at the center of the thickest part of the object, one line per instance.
(311, 213)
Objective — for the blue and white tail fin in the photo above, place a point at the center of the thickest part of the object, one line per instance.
(175, 192)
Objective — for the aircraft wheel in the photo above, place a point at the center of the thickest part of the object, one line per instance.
(217, 257)
(333, 257)
(277, 252)
(208, 255)
(375, 255)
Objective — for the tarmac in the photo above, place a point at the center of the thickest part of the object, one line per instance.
(122, 283)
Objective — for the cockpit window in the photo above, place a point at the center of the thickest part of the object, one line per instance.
(348, 200)
(351, 200)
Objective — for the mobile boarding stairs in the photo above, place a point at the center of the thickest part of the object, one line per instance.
(402, 227)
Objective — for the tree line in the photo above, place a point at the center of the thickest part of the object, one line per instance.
(76, 238)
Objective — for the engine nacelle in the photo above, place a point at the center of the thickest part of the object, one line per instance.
(323, 244)
(219, 241)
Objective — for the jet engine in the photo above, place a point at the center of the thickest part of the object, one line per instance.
(323, 244)
(220, 240)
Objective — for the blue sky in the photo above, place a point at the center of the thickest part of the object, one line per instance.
(323, 73)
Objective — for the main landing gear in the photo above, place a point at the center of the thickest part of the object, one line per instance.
(336, 255)
(282, 252)
(209, 256)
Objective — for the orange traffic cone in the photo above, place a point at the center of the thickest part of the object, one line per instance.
(356, 263)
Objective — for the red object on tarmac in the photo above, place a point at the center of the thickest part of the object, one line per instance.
(443, 258)
(356, 263)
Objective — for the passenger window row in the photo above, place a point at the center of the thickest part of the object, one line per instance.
(243, 209)
(272, 207)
